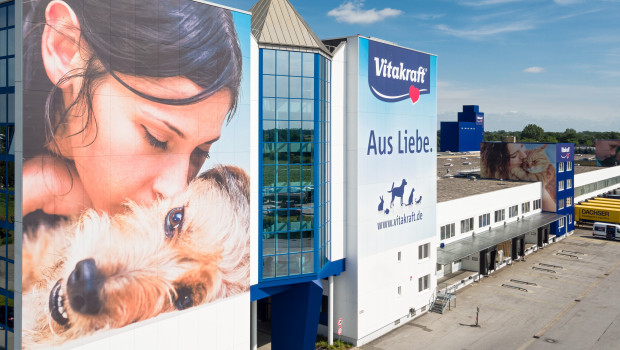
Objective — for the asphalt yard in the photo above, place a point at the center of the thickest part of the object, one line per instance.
(565, 296)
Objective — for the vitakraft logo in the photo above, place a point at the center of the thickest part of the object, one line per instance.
(565, 152)
(395, 74)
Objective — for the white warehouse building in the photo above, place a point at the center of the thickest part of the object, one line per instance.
(345, 223)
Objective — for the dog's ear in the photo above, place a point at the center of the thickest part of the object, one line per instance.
(228, 177)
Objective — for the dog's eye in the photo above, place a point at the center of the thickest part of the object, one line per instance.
(174, 221)
(184, 298)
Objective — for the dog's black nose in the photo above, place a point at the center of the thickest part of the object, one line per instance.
(84, 286)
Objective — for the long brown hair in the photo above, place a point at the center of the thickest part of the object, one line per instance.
(494, 160)
(165, 38)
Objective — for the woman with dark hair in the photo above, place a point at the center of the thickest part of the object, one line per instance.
(122, 99)
(503, 160)
(496, 160)
(607, 152)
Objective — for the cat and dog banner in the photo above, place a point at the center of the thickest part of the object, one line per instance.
(397, 104)
(526, 162)
(136, 146)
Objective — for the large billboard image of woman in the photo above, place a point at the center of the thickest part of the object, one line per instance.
(124, 218)
(607, 152)
(521, 161)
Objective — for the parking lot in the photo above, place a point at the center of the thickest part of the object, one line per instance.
(565, 296)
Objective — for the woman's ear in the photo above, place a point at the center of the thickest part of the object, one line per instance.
(60, 40)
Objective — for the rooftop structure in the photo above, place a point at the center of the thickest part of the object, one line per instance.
(464, 134)
(276, 22)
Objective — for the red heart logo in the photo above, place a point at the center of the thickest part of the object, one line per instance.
(414, 94)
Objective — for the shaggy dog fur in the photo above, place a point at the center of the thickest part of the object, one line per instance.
(177, 253)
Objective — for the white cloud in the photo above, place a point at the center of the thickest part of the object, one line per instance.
(485, 31)
(352, 12)
(534, 70)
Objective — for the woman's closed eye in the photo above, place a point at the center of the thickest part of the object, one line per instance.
(201, 153)
(154, 141)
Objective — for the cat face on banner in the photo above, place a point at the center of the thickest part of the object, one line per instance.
(536, 161)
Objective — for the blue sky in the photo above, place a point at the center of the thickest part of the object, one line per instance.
(555, 63)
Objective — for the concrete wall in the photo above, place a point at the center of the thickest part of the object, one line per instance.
(531, 238)
(345, 285)
(463, 208)
(338, 139)
(255, 207)
(459, 209)
(592, 177)
(471, 263)
(367, 295)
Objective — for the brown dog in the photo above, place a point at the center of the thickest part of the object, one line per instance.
(106, 272)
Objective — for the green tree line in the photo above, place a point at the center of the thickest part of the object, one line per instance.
(534, 133)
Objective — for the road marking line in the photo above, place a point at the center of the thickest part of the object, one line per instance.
(536, 300)
(562, 280)
(490, 306)
(596, 240)
(567, 309)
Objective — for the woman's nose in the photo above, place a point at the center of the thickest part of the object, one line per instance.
(172, 176)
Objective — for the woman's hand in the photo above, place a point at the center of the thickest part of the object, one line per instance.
(548, 202)
(52, 184)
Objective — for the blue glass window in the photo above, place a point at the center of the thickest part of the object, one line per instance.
(269, 62)
(295, 59)
(295, 180)
(308, 65)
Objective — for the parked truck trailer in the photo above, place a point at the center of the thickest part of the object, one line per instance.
(587, 213)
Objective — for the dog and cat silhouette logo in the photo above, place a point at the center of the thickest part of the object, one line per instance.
(399, 191)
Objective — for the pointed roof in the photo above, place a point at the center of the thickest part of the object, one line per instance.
(276, 22)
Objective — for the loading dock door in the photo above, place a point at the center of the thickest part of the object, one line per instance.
(518, 247)
(487, 260)
(540, 237)
(492, 257)
(483, 263)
